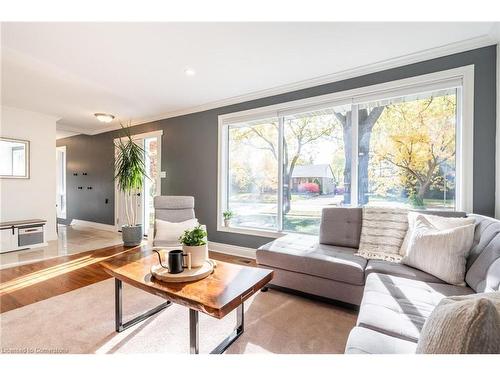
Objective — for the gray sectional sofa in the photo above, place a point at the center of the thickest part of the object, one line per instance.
(394, 299)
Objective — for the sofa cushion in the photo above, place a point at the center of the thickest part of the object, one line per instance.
(366, 341)
(399, 269)
(492, 282)
(303, 253)
(398, 306)
(340, 226)
(483, 264)
(317, 286)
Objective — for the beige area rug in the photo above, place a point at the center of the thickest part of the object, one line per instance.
(82, 321)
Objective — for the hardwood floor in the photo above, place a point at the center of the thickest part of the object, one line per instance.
(30, 283)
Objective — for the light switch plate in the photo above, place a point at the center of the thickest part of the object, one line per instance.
(163, 174)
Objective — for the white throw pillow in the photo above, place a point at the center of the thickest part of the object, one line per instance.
(168, 232)
(440, 222)
(442, 253)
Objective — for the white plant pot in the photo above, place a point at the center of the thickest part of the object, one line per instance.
(199, 254)
(227, 222)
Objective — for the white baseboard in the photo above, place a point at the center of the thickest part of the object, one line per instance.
(110, 228)
(245, 252)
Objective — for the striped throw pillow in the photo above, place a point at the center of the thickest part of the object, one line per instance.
(383, 230)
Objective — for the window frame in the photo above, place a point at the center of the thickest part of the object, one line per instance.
(461, 78)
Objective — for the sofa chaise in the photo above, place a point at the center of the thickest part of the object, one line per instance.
(394, 299)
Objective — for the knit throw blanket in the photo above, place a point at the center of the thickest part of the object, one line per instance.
(383, 230)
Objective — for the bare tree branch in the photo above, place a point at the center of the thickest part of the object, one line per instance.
(270, 143)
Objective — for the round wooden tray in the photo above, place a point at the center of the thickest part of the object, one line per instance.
(185, 276)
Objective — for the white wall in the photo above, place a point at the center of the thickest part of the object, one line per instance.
(32, 198)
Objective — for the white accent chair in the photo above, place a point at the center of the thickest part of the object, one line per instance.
(173, 208)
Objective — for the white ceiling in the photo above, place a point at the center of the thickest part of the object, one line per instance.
(135, 71)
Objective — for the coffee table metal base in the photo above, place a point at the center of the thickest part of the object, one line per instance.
(194, 337)
(119, 324)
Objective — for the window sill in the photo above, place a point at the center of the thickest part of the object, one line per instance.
(251, 232)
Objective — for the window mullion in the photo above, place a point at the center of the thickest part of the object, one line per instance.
(354, 155)
(280, 172)
(459, 162)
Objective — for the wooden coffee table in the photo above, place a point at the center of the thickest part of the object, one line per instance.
(217, 295)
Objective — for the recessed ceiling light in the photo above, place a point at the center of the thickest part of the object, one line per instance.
(104, 117)
(189, 72)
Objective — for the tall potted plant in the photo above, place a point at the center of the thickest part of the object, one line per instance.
(130, 172)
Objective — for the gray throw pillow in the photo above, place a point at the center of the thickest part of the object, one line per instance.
(463, 325)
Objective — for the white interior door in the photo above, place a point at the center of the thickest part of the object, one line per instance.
(151, 143)
(61, 182)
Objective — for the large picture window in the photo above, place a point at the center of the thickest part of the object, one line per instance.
(278, 171)
(407, 151)
(316, 166)
(253, 174)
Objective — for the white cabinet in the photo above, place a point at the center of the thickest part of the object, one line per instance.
(8, 238)
(22, 234)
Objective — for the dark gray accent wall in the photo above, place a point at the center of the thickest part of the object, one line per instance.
(93, 155)
(189, 147)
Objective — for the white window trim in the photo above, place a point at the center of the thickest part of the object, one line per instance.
(422, 83)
